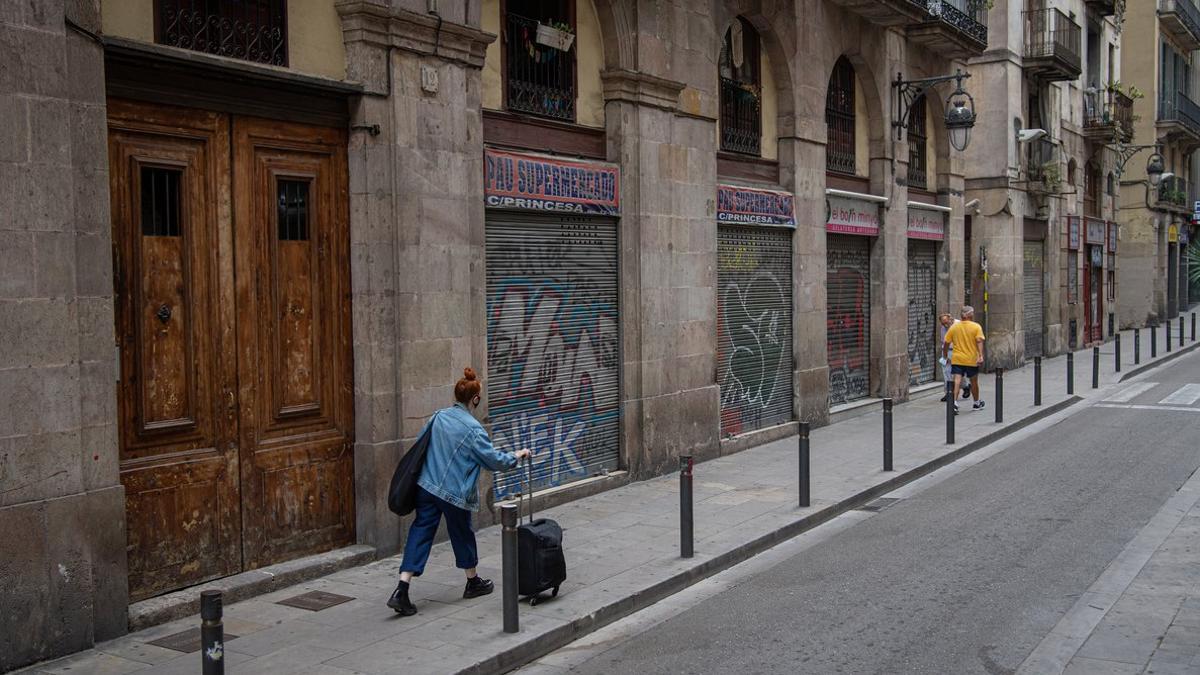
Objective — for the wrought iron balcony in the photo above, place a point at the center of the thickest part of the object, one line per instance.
(540, 79)
(1179, 118)
(1109, 118)
(1052, 45)
(953, 28)
(1042, 164)
(741, 117)
(1173, 195)
(252, 30)
(1181, 20)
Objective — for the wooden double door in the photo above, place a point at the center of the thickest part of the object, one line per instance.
(233, 328)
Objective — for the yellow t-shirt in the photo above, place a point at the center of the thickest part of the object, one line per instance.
(962, 337)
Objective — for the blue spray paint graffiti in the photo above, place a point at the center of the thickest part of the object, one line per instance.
(552, 363)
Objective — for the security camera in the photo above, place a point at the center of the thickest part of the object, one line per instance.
(1027, 135)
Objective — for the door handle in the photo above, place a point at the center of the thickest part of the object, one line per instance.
(163, 313)
(231, 407)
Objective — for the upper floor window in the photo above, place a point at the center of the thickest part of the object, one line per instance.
(917, 142)
(741, 90)
(253, 30)
(539, 54)
(839, 118)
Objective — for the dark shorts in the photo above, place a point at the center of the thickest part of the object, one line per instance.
(965, 371)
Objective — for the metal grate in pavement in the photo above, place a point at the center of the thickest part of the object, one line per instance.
(315, 601)
(186, 641)
(879, 504)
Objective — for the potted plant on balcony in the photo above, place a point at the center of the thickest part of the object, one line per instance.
(556, 35)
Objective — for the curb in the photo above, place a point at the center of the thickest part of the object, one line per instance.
(530, 650)
(180, 604)
(1176, 353)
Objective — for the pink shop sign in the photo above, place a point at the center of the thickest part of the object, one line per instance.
(925, 224)
(851, 216)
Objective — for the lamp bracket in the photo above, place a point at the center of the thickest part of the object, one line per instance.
(1126, 152)
(908, 91)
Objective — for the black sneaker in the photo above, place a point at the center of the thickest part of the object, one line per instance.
(966, 393)
(978, 405)
(943, 399)
(955, 408)
(400, 602)
(478, 586)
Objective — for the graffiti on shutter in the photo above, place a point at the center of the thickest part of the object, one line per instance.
(922, 311)
(848, 320)
(552, 339)
(754, 326)
(1033, 293)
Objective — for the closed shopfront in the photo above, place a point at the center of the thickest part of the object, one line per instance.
(754, 307)
(926, 229)
(1172, 270)
(1093, 280)
(852, 225)
(1074, 239)
(1033, 313)
(1184, 300)
(552, 316)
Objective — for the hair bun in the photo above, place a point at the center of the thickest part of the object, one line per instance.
(469, 373)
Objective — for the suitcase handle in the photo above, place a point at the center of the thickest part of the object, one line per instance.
(529, 484)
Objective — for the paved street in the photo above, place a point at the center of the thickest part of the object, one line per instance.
(969, 575)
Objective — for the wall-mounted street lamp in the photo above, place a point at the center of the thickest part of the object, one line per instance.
(1155, 167)
(960, 106)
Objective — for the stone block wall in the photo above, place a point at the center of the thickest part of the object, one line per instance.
(62, 507)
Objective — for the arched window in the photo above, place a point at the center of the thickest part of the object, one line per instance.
(741, 90)
(540, 66)
(839, 117)
(1111, 184)
(917, 142)
(1071, 166)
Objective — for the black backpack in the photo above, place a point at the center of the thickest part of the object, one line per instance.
(402, 493)
(540, 562)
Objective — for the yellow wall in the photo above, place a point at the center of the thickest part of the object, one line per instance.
(589, 61)
(770, 110)
(315, 42)
(862, 132)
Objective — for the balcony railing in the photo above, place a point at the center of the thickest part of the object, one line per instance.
(1052, 45)
(1042, 164)
(741, 117)
(1172, 193)
(1181, 110)
(967, 16)
(1181, 19)
(252, 30)
(541, 79)
(1109, 116)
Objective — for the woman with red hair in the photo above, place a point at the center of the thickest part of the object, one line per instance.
(458, 448)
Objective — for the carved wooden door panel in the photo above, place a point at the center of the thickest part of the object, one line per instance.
(176, 395)
(294, 357)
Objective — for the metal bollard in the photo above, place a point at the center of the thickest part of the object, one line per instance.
(804, 476)
(1037, 380)
(1193, 326)
(212, 634)
(1153, 341)
(999, 395)
(1137, 346)
(950, 418)
(804, 465)
(1167, 332)
(1070, 373)
(1180, 330)
(686, 543)
(1095, 367)
(510, 517)
(1117, 357)
(887, 434)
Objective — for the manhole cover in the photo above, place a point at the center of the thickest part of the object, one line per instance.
(315, 600)
(186, 641)
(879, 504)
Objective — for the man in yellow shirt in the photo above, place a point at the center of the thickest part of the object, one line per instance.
(966, 358)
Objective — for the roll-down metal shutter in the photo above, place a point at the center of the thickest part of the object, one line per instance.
(848, 318)
(1034, 292)
(922, 311)
(552, 340)
(754, 326)
(1172, 280)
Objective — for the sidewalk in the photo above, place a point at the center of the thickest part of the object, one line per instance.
(1142, 615)
(621, 546)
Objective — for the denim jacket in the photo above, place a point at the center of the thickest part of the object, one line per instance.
(458, 448)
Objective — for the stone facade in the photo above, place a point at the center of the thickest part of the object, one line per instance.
(61, 504)
(418, 245)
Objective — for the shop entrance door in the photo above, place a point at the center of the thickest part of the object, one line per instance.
(235, 406)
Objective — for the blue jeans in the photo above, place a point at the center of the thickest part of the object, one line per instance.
(430, 510)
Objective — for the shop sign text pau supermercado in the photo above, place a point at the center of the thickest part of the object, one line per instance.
(540, 183)
(738, 205)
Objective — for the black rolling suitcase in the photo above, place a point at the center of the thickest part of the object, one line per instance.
(540, 563)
